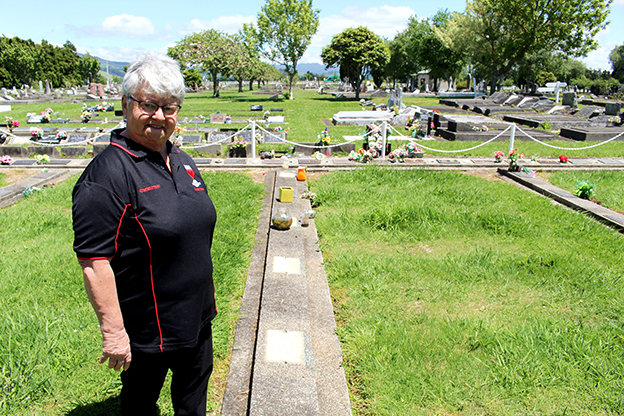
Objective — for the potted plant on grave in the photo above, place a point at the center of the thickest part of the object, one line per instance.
(498, 156)
(11, 124)
(324, 141)
(238, 148)
(398, 155)
(228, 119)
(86, 116)
(36, 133)
(413, 150)
(6, 160)
(513, 157)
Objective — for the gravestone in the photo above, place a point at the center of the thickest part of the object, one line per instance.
(217, 118)
(399, 97)
(277, 109)
(513, 99)
(100, 90)
(275, 137)
(589, 111)
(41, 87)
(569, 98)
(217, 136)
(191, 138)
(256, 108)
(104, 138)
(49, 139)
(47, 87)
(392, 99)
(35, 119)
(275, 119)
(612, 109)
(77, 138)
(379, 93)
(92, 88)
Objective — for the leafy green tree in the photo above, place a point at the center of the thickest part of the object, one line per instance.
(616, 57)
(192, 76)
(441, 60)
(497, 34)
(210, 50)
(17, 61)
(88, 68)
(285, 29)
(356, 51)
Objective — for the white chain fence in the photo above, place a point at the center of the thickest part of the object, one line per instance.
(569, 148)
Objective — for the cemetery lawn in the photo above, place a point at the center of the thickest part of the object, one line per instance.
(608, 192)
(459, 295)
(49, 335)
(306, 116)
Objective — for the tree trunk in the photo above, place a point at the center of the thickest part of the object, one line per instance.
(215, 84)
(240, 85)
(251, 81)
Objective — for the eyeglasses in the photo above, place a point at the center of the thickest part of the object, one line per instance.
(151, 108)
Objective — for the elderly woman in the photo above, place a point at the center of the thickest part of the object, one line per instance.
(143, 225)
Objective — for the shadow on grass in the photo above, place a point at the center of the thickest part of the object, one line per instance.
(108, 407)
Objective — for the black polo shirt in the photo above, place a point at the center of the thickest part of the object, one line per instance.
(156, 227)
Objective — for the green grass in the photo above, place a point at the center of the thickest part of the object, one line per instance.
(304, 121)
(49, 339)
(3, 177)
(609, 191)
(457, 295)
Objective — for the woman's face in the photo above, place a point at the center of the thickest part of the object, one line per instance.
(150, 130)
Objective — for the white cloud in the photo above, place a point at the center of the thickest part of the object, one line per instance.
(599, 58)
(120, 54)
(227, 24)
(125, 25)
(385, 21)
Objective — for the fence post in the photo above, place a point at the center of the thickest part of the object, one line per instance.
(253, 139)
(512, 137)
(384, 133)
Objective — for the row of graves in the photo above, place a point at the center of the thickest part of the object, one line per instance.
(482, 118)
(30, 94)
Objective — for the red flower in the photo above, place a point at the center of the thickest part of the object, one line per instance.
(563, 159)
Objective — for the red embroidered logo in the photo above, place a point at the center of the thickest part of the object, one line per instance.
(149, 188)
(190, 171)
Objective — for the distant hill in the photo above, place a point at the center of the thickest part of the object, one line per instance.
(313, 68)
(114, 68)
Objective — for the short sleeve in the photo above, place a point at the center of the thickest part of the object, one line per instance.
(97, 213)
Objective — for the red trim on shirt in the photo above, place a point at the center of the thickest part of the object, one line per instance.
(95, 258)
(152, 280)
(123, 214)
(124, 149)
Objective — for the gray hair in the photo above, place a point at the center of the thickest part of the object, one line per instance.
(154, 75)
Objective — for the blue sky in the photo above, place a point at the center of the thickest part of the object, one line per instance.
(120, 30)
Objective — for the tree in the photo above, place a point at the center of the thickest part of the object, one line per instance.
(285, 29)
(89, 67)
(192, 77)
(211, 51)
(497, 35)
(616, 57)
(356, 51)
(17, 61)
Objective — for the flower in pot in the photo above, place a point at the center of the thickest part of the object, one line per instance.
(513, 157)
(498, 156)
(36, 133)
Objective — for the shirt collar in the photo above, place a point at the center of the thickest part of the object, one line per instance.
(133, 148)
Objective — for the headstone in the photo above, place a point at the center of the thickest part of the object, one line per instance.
(274, 137)
(256, 108)
(100, 90)
(92, 88)
(216, 136)
(35, 118)
(217, 118)
(513, 99)
(77, 138)
(41, 87)
(589, 111)
(275, 119)
(379, 93)
(569, 98)
(399, 97)
(47, 87)
(192, 138)
(392, 99)
(57, 94)
(612, 109)
(103, 138)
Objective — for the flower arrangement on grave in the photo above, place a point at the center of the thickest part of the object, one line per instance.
(513, 157)
(308, 195)
(238, 143)
(42, 159)
(616, 121)
(36, 133)
(563, 159)
(266, 114)
(324, 137)
(498, 156)
(412, 148)
(395, 108)
(534, 158)
(11, 124)
(319, 156)
(6, 160)
(362, 155)
(529, 172)
(279, 129)
(86, 116)
(483, 128)
(585, 189)
(228, 119)
(398, 155)
(61, 135)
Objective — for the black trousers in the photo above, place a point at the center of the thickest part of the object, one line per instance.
(191, 369)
